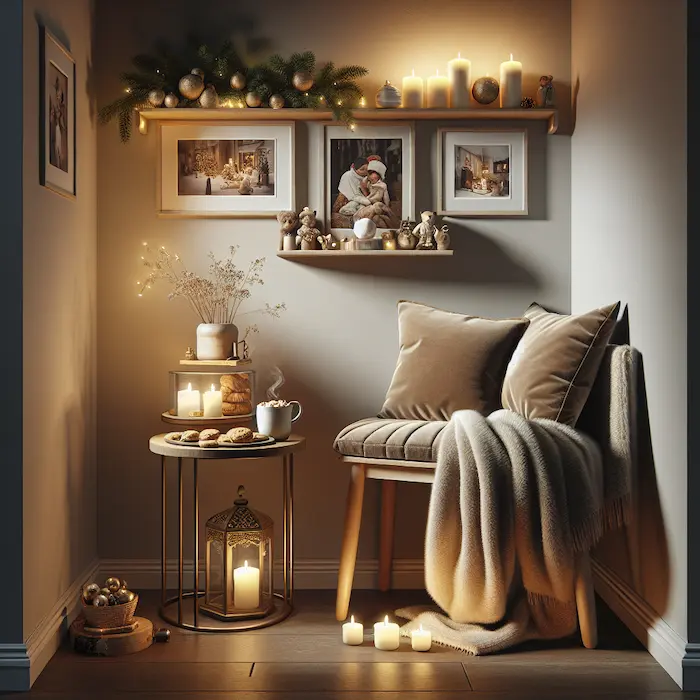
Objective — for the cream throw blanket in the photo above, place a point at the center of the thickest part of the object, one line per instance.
(513, 502)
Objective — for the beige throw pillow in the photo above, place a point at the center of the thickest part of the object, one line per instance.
(556, 362)
(448, 361)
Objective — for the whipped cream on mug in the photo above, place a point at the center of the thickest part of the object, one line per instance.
(280, 403)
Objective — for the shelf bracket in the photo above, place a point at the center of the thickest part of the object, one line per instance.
(553, 123)
(143, 125)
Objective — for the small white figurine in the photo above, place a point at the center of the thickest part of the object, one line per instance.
(307, 233)
(426, 231)
(443, 238)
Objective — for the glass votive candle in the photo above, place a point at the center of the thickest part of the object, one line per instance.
(386, 635)
(353, 632)
(421, 640)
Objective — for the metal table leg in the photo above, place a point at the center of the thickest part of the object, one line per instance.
(195, 597)
(163, 532)
(180, 563)
(288, 534)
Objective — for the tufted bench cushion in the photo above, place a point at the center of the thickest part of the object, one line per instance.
(388, 438)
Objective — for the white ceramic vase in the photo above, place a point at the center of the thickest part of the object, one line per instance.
(215, 340)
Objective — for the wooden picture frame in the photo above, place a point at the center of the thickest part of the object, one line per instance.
(482, 173)
(57, 127)
(215, 170)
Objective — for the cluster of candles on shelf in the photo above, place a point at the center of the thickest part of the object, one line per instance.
(386, 635)
(453, 89)
(189, 400)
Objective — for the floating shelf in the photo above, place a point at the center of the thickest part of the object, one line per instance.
(233, 114)
(301, 254)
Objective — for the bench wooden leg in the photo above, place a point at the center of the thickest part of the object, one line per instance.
(351, 535)
(386, 534)
(585, 602)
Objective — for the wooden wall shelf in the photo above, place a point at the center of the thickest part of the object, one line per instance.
(233, 114)
(302, 254)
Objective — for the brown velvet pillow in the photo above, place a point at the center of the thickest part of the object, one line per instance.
(449, 361)
(556, 362)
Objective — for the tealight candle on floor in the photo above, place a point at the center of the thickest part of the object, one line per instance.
(353, 633)
(187, 400)
(421, 640)
(386, 635)
(511, 83)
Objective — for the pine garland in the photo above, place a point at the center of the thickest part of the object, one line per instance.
(334, 88)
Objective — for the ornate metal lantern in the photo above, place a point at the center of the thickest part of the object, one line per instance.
(239, 563)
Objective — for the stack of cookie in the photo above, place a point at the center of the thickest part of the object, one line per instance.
(213, 438)
(236, 395)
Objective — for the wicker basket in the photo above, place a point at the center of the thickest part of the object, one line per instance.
(110, 616)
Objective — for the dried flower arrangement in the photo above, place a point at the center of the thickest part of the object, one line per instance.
(216, 298)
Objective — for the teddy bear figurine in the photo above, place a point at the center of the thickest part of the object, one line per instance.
(405, 238)
(443, 238)
(288, 221)
(426, 231)
(307, 234)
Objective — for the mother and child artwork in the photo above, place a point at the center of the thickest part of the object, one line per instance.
(230, 167)
(369, 176)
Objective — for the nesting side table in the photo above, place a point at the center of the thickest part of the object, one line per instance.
(283, 601)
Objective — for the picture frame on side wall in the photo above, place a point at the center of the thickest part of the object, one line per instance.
(368, 173)
(57, 130)
(209, 169)
(482, 173)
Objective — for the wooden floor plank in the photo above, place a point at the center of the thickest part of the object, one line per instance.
(350, 695)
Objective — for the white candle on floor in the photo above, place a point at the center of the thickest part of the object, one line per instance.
(187, 400)
(246, 587)
(511, 83)
(212, 403)
(421, 640)
(386, 635)
(353, 633)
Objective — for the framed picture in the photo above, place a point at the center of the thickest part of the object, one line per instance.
(214, 170)
(482, 173)
(368, 174)
(57, 116)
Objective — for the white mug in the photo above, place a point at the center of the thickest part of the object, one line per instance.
(277, 422)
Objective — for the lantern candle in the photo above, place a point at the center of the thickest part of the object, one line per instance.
(212, 403)
(438, 90)
(187, 401)
(459, 72)
(412, 91)
(421, 640)
(353, 632)
(511, 83)
(386, 635)
(246, 587)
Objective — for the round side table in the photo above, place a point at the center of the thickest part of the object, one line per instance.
(283, 601)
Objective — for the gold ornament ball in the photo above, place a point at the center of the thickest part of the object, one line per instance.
(191, 86)
(172, 100)
(198, 71)
(124, 596)
(124, 583)
(238, 81)
(156, 97)
(303, 80)
(277, 102)
(113, 584)
(100, 601)
(485, 90)
(90, 592)
(209, 99)
(105, 592)
(252, 99)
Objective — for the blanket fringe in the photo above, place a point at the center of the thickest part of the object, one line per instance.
(612, 516)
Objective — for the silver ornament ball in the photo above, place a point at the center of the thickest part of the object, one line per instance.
(277, 102)
(172, 100)
(191, 86)
(90, 592)
(100, 601)
(156, 97)
(388, 96)
(303, 80)
(198, 71)
(238, 81)
(485, 90)
(113, 584)
(209, 99)
(252, 99)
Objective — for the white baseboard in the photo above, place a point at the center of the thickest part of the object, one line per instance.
(46, 638)
(308, 573)
(661, 640)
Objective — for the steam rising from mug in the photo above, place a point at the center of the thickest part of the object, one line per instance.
(273, 392)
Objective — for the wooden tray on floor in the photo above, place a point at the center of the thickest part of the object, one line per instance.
(110, 644)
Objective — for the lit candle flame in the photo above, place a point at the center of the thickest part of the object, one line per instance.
(511, 57)
(212, 388)
(352, 619)
(245, 564)
(413, 72)
(459, 54)
(421, 627)
(189, 387)
(386, 619)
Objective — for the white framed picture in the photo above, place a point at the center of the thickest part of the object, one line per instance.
(57, 115)
(368, 173)
(215, 170)
(482, 173)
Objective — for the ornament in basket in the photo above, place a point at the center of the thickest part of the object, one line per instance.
(110, 607)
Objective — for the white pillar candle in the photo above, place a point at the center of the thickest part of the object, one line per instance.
(459, 72)
(353, 633)
(246, 587)
(438, 91)
(511, 89)
(187, 400)
(421, 640)
(412, 91)
(386, 635)
(212, 403)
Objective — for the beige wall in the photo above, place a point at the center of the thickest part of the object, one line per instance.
(59, 333)
(628, 242)
(338, 342)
